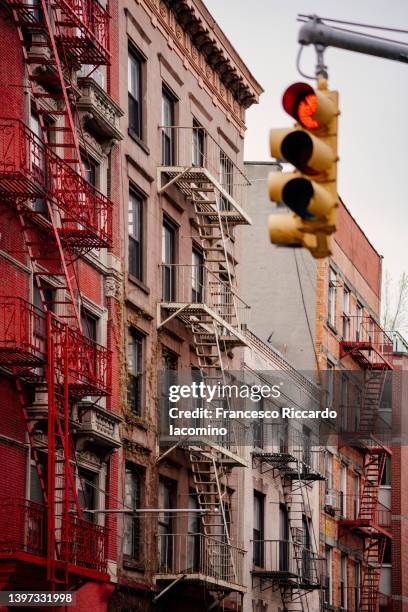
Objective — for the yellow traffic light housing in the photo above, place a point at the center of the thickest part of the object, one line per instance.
(310, 191)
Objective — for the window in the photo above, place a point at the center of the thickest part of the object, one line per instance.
(87, 490)
(343, 491)
(170, 365)
(344, 401)
(258, 428)
(166, 496)
(168, 262)
(357, 581)
(328, 576)
(329, 471)
(386, 476)
(131, 531)
(226, 179)
(306, 557)
(193, 530)
(135, 230)
(89, 170)
(89, 325)
(198, 144)
(135, 371)
(359, 322)
(343, 581)
(135, 68)
(39, 163)
(197, 277)
(36, 491)
(330, 383)
(346, 313)
(332, 297)
(168, 130)
(283, 538)
(356, 496)
(258, 529)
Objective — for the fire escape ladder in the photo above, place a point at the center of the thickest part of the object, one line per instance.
(294, 593)
(373, 559)
(373, 389)
(374, 463)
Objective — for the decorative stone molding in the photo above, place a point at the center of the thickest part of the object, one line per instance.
(99, 111)
(112, 287)
(98, 430)
(221, 72)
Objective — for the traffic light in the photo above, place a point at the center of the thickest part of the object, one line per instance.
(310, 191)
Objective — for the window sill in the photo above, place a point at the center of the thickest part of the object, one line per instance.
(138, 141)
(331, 327)
(132, 564)
(137, 421)
(139, 284)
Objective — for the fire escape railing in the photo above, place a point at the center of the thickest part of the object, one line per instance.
(197, 553)
(30, 170)
(24, 340)
(23, 528)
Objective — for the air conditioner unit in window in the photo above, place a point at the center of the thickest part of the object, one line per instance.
(330, 500)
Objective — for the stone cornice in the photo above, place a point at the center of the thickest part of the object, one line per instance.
(200, 43)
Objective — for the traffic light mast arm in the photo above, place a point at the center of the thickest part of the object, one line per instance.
(315, 32)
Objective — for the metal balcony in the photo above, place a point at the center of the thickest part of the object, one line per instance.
(285, 564)
(200, 558)
(197, 296)
(30, 171)
(82, 33)
(366, 342)
(24, 334)
(191, 159)
(363, 517)
(288, 452)
(23, 535)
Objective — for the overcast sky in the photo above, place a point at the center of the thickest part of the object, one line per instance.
(373, 143)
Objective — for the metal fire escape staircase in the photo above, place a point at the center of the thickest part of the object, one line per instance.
(299, 574)
(56, 38)
(372, 350)
(214, 322)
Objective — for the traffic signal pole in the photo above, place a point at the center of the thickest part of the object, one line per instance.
(315, 32)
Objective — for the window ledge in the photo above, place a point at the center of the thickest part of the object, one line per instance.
(132, 564)
(137, 421)
(331, 327)
(139, 284)
(138, 141)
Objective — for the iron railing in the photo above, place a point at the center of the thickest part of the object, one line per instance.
(285, 557)
(194, 148)
(196, 284)
(23, 528)
(24, 333)
(86, 38)
(196, 553)
(31, 170)
(281, 439)
(364, 332)
(349, 508)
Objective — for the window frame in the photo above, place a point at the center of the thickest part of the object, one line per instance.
(258, 534)
(136, 244)
(168, 140)
(331, 297)
(136, 127)
(135, 378)
(132, 522)
(169, 282)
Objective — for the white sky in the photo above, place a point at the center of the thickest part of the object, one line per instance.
(373, 171)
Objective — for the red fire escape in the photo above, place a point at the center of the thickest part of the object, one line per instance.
(48, 345)
(369, 345)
